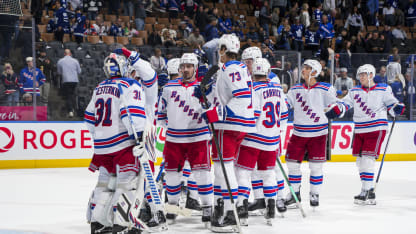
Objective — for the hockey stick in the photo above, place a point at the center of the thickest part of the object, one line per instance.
(291, 188)
(384, 154)
(144, 161)
(204, 87)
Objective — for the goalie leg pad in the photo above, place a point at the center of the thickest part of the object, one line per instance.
(316, 176)
(366, 168)
(99, 207)
(124, 196)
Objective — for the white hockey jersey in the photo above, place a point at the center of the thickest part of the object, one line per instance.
(370, 107)
(270, 110)
(180, 113)
(309, 104)
(106, 116)
(148, 77)
(233, 90)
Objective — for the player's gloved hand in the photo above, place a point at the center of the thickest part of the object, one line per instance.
(122, 51)
(397, 109)
(198, 93)
(138, 150)
(162, 80)
(118, 51)
(334, 111)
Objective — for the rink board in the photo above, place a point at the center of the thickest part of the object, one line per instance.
(27, 144)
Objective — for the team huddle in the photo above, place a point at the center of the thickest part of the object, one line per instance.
(235, 119)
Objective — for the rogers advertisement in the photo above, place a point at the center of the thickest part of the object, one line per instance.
(71, 140)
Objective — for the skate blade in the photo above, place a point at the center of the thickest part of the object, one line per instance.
(227, 229)
(365, 203)
(174, 209)
(269, 222)
(259, 212)
(244, 222)
(292, 206)
(160, 228)
(196, 212)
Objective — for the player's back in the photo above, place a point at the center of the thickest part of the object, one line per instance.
(270, 109)
(107, 117)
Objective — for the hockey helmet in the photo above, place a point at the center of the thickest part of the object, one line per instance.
(315, 65)
(251, 53)
(231, 43)
(115, 65)
(261, 67)
(368, 69)
(173, 66)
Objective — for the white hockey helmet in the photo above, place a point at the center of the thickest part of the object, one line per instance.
(231, 43)
(315, 65)
(366, 68)
(173, 66)
(261, 67)
(189, 58)
(115, 65)
(251, 53)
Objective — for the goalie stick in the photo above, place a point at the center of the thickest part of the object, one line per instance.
(145, 171)
(205, 84)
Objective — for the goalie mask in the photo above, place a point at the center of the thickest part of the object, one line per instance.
(115, 65)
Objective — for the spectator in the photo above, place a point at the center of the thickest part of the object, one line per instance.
(241, 22)
(44, 64)
(326, 30)
(341, 38)
(92, 8)
(343, 80)
(305, 19)
(324, 76)
(331, 18)
(293, 12)
(387, 33)
(317, 13)
(252, 34)
(265, 17)
(211, 31)
(354, 22)
(395, 51)
(345, 55)
(388, 13)
(210, 48)
(275, 19)
(410, 91)
(116, 28)
(201, 18)
(27, 82)
(157, 61)
(281, 4)
(69, 69)
(397, 87)
(225, 23)
(99, 27)
(297, 32)
(372, 6)
(79, 27)
(167, 39)
(399, 33)
(128, 7)
(329, 5)
(6, 33)
(62, 22)
(411, 13)
(239, 33)
(312, 37)
(11, 84)
(267, 53)
(154, 39)
(140, 14)
(174, 7)
(195, 38)
(284, 34)
(375, 44)
(113, 7)
(393, 69)
(381, 76)
(189, 7)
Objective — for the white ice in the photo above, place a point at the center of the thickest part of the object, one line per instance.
(55, 201)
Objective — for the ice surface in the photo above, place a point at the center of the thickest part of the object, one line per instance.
(55, 201)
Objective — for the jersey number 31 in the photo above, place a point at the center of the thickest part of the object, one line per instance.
(272, 115)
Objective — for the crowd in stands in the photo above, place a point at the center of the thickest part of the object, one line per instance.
(317, 28)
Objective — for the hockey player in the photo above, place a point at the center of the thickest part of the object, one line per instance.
(370, 102)
(310, 128)
(173, 68)
(187, 136)
(233, 92)
(262, 147)
(109, 125)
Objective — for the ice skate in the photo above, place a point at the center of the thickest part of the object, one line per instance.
(145, 213)
(291, 202)
(193, 204)
(206, 216)
(242, 212)
(280, 205)
(158, 222)
(98, 228)
(270, 211)
(171, 218)
(117, 229)
(228, 225)
(314, 200)
(256, 208)
(366, 197)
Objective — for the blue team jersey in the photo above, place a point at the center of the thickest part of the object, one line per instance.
(296, 31)
(317, 15)
(225, 25)
(80, 25)
(326, 30)
(312, 38)
(61, 18)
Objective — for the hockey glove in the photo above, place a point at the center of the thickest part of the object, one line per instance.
(122, 51)
(211, 115)
(162, 80)
(334, 111)
(138, 150)
(198, 94)
(397, 109)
